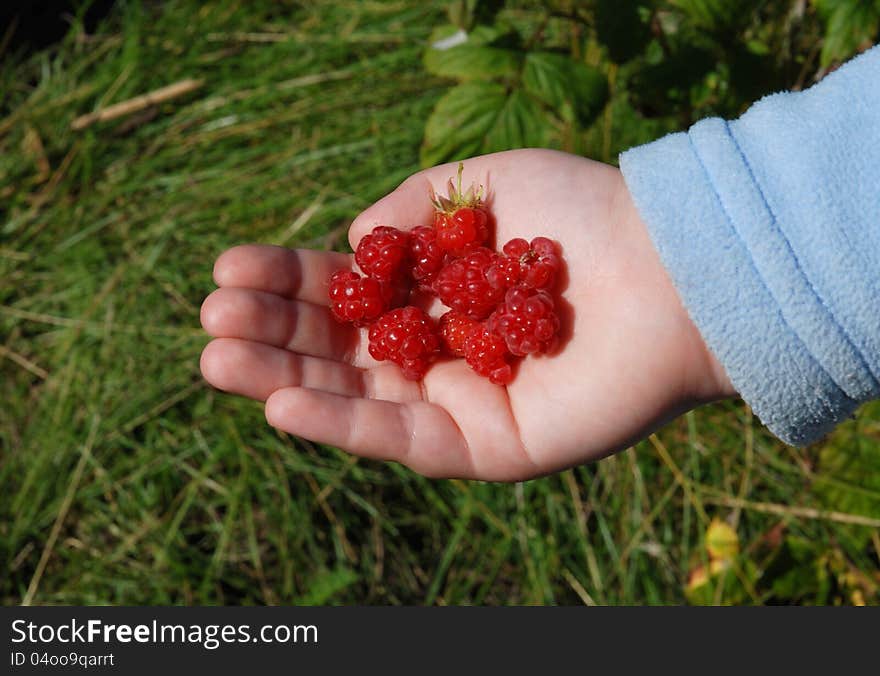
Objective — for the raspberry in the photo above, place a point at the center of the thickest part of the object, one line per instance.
(382, 253)
(486, 353)
(530, 266)
(461, 220)
(426, 255)
(463, 286)
(357, 299)
(454, 329)
(407, 337)
(500, 307)
(462, 229)
(527, 321)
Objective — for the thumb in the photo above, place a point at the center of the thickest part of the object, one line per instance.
(405, 208)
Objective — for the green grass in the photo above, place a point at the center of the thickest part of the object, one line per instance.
(126, 480)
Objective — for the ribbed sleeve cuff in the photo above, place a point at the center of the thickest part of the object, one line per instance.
(741, 284)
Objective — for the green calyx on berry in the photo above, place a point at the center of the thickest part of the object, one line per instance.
(472, 197)
(461, 219)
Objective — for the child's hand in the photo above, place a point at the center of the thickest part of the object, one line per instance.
(630, 357)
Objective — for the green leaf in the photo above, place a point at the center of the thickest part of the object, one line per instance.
(481, 117)
(850, 24)
(460, 121)
(620, 28)
(472, 62)
(574, 90)
(718, 16)
(521, 122)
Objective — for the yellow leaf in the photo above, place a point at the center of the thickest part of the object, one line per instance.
(722, 542)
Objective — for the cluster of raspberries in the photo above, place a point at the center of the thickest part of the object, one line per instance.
(501, 305)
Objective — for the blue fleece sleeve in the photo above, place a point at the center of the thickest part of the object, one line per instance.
(770, 229)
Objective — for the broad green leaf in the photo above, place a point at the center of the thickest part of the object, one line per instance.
(521, 122)
(547, 76)
(573, 90)
(482, 117)
(850, 24)
(472, 62)
(460, 121)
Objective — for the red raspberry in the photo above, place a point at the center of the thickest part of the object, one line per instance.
(426, 255)
(454, 329)
(463, 286)
(407, 337)
(486, 353)
(527, 321)
(357, 299)
(530, 266)
(461, 220)
(382, 253)
(462, 229)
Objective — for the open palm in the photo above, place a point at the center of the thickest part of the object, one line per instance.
(630, 357)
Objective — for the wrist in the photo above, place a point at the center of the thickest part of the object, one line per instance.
(704, 378)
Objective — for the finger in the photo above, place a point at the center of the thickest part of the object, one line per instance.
(417, 434)
(405, 208)
(256, 370)
(270, 319)
(294, 273)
